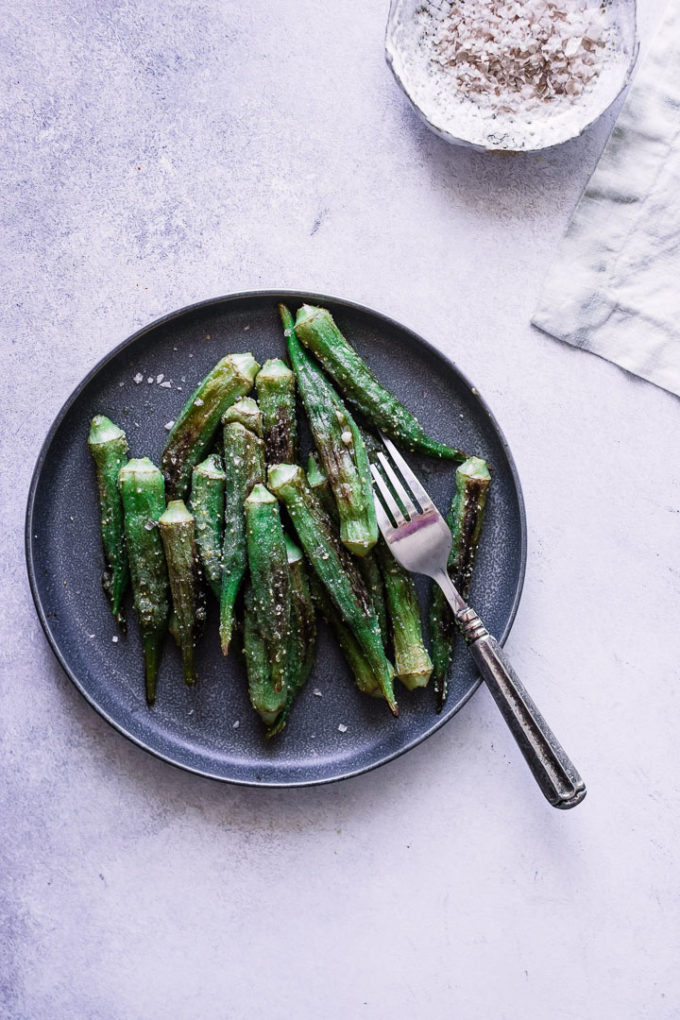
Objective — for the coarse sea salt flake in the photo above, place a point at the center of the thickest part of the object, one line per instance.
(342, 728)
(511, 57)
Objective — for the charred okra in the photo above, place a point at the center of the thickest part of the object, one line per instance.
(302, 637)
(465, 520)
(178, 534)
(247, 412)
(267, 702)
(143, 495)
(244, 468)
(109, 449)
(373, 580)
(193, 431)
(364, 676)
(340, 447)
(275, 385)
(318, 483)
(340, 578)
(269, 578)
(317, 330)
(207, 506)
(412, 664)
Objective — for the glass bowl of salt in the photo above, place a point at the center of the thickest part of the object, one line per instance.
(511, 75)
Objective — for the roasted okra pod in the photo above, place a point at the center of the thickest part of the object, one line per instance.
(244, 467)
(268, 702)
(143, 495)
(317, 330)
(302, 635)
(364, 677)
(275, 385)
(207, 506)
(340, 448)
(178, 534)
(465, 520)
(412, 664)
(343, 583)
(193, 431)
(269, 578)
(109, 449)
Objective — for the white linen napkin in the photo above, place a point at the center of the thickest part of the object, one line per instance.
(614, 288)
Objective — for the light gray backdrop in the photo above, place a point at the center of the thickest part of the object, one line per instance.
(158, 154)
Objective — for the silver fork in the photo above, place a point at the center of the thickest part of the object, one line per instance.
(420, 539)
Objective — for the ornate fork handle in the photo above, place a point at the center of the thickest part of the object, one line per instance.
(550, 765)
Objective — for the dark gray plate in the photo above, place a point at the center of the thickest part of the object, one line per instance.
(212, 729)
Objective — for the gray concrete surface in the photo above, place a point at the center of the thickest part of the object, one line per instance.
(154, 155)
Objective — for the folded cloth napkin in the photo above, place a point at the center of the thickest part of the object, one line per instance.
(614, 288)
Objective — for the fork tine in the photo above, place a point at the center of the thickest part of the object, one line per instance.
(398, 487)
(387, 497)
(384, 523)
(408, 475)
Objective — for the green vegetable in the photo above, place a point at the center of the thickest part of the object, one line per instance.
(412, 664)
(318, 483)
(364, 676)
(275, 385)
(318, 332)
(340, 448)
(267, 702)
(244, 468)
(193, 431)
(338, 575)
(367, 565)
(109, 449)
(247, 412)
(142, 492)
(372, 576)
(465, 520)
(270, 578)
(207, 506)
(302, 638)
(178, 534)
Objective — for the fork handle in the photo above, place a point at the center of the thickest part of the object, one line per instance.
(551, 767)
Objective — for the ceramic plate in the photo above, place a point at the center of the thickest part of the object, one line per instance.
(334, 731)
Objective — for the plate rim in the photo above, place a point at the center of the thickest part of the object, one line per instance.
(282, 294)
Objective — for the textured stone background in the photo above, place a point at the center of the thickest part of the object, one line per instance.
(154, 155)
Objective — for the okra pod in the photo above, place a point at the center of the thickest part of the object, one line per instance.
(143, 494)
(465, 520)
(339, 445)
(317, 330)
(372, 576)
(193, 431)
(109, 448)
(244, 468)
(267, 702)
(344, 586)
(178, 534)
(207, 506)
(302, 636)
(364, 677)
(269, 577)
(275, 385)
(318, 483)
(247, 412)
(303, 617)
(412, 663)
